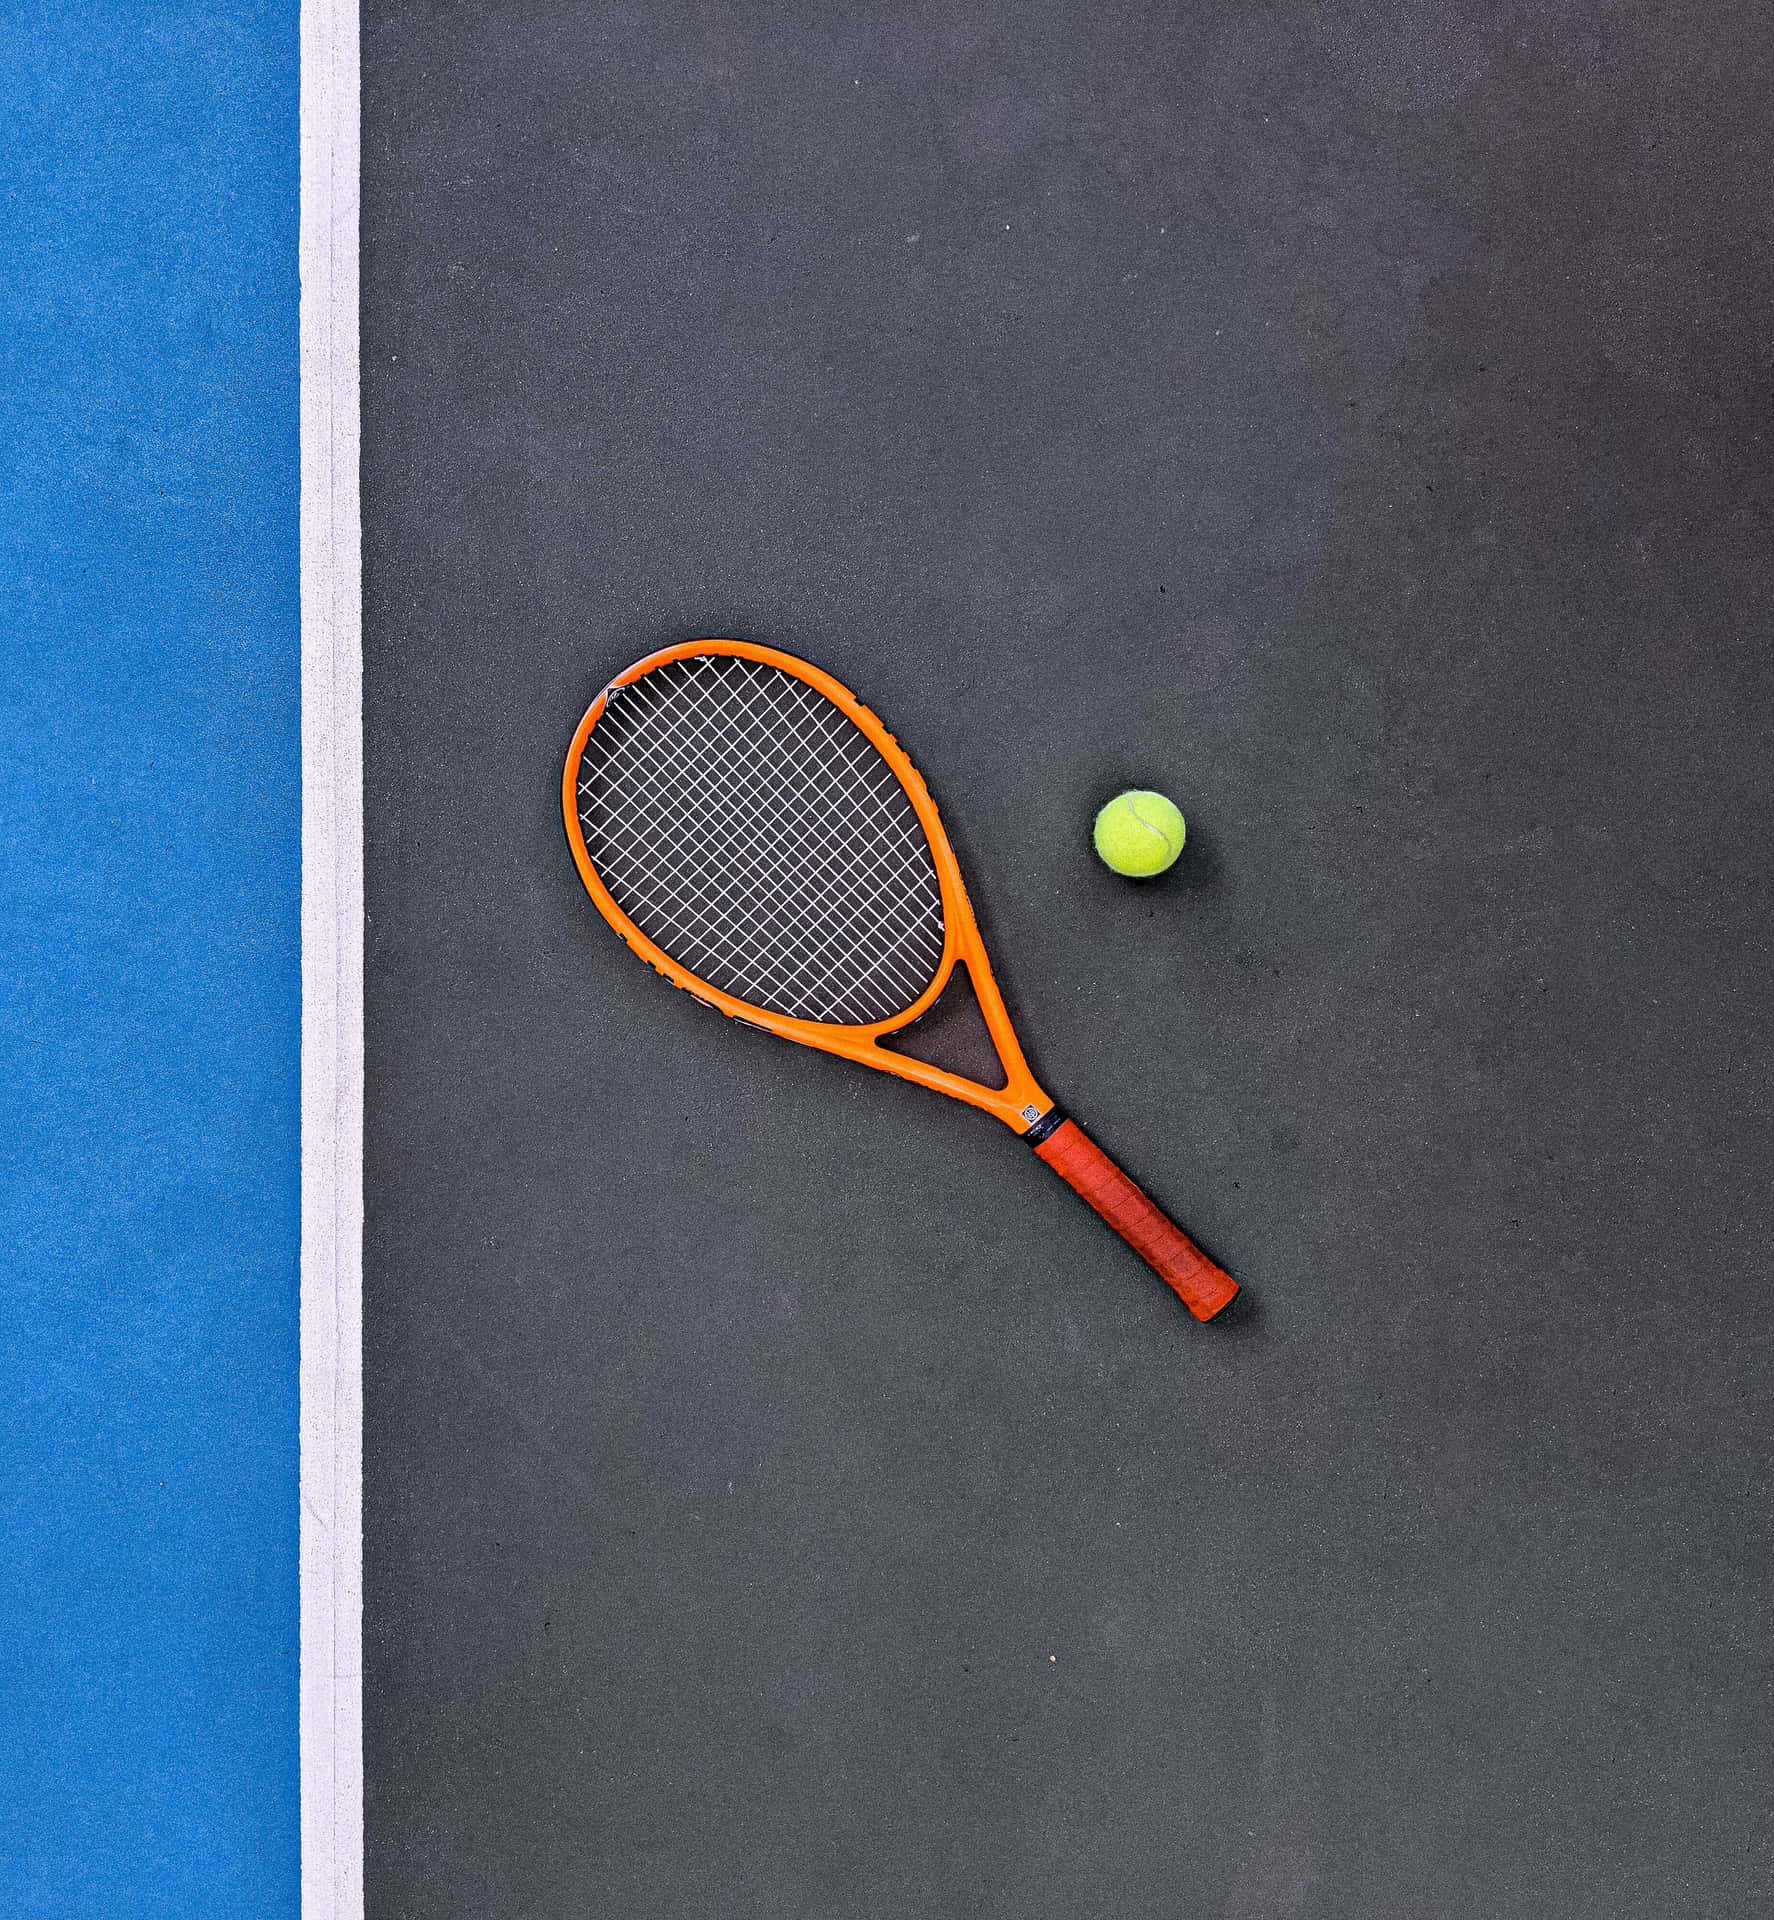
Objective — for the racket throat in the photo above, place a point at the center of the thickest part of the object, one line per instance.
(952, 1034)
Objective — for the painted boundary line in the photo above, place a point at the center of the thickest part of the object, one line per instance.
(332, 976)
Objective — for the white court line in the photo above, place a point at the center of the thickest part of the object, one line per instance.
(332, 977)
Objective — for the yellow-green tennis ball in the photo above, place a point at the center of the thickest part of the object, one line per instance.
(1139, 834)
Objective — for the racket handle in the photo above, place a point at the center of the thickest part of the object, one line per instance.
(1089, 1172)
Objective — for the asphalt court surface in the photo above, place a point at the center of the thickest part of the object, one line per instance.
(783, 1496)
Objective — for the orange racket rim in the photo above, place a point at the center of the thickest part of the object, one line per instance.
(1020, 1102)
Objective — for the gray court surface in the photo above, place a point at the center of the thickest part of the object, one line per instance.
(784, 1497)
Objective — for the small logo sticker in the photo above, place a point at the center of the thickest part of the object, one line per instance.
(1031, 1113)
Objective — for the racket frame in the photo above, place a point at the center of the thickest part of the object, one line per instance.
(1020, 1103)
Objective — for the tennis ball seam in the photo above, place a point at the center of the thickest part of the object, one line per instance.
(1151, 826)
(1154, 849)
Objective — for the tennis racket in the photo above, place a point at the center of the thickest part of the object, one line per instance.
(750, 828)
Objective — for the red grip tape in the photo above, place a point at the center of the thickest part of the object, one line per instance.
(1163, 1245)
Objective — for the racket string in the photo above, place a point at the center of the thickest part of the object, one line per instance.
(755, 834)
(792, 833)
(796, 831)
(727, 846)
(707, 815)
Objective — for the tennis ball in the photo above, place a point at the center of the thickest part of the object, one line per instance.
(1139, 834)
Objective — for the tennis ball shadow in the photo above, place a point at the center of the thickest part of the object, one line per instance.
(1198, 870)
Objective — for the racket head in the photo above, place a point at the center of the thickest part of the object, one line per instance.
(928, 908)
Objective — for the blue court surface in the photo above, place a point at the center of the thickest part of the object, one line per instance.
(149, 977)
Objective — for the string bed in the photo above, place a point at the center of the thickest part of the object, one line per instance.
(752, 832)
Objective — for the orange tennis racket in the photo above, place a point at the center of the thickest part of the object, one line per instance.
(748, 826)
